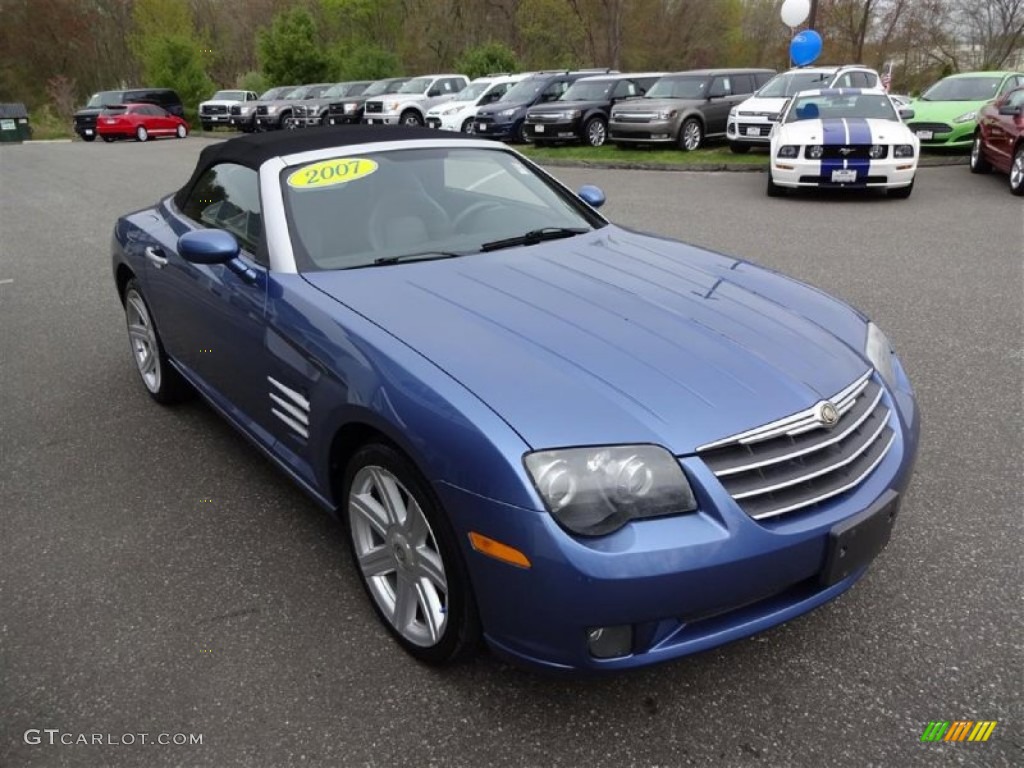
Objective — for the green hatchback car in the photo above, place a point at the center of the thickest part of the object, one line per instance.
(946, 115)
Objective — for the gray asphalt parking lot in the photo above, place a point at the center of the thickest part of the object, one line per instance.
(157, 575)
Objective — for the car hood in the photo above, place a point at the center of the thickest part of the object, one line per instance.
(401, 98)
(942, 111)
(836, 132)
(565, 106)
(615, 337)
(501, 106)
(445, 106)
(656, 104)
(220, 102)
(767, 106)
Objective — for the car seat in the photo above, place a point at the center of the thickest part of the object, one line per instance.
(807, 112)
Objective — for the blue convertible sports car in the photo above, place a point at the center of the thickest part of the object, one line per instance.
(596, 449)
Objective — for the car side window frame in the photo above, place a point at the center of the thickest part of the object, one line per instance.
(258, 254)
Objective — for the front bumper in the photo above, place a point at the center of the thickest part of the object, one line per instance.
(683, 584)
(381, 118)
(241, 121)
(267, 122)
(335, 118)
(219, 119)
(445, 122)
(749, 130)
(561, 130)
(493, 130)
(654, 132)
(933, 135)
(883, 174)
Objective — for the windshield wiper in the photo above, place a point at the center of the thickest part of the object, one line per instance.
(383, 261)
(533, 237)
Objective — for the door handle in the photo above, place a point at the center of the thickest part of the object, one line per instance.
(156, 256)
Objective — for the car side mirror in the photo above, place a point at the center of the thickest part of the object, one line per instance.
(208, 246)
(906, 114)
(591, 195)
(1008, 109)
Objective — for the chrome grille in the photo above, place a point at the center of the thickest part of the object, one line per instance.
(798, 462)
(374, 107)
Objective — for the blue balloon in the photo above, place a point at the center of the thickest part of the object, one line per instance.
(805, 48)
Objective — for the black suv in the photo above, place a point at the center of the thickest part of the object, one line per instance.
(582, 112)
(506, 118)
(350, 110)
(85, 118)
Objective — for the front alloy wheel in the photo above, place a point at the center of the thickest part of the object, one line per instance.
(164, 384)
(1017, 172)
(595, 132)
(141, 133)
(411, 118)
(978, 162)
(691, 135)
(407, 558)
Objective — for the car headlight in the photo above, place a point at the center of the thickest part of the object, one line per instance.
(814, 151)
(789, 151)
(271, 109)
(732, 113)
(392, 106)
(773, 118)
(452, 111)
(879, 351)
(506, 113)
(903, 150)
(595, 491)
(246, 110)
(877, 151)
(350, 106)
(666, 114)
(966, 117)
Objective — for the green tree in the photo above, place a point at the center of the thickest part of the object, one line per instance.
(253, 81)
(367, 62)
(170, 51)
(290, 51)
(479, 60)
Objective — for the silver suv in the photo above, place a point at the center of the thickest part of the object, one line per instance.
(409, 104)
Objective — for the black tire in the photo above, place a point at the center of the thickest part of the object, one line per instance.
(738, 148)
(691, 134)
(460, 637)
(467, 125)
(88, 138)
(978, 162)
(595, 132)
(411, 118)
(901, 193)
(107, 139)
(519, 132)
(773, 189)
(169, 387)
(1017, 172)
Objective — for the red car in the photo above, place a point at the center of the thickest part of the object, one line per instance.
(139, 121)
(999, 140)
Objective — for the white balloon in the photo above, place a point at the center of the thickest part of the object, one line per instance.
(795, 12)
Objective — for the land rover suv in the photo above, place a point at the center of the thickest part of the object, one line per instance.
(85, 118)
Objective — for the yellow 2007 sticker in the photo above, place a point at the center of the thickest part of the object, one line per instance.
(327, 173)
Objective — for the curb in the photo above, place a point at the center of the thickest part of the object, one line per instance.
(924, 162)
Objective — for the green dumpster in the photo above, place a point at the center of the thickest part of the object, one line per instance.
(14, 125)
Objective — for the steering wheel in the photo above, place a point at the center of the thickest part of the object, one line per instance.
(473, 210)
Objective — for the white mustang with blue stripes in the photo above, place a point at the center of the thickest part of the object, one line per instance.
(843, 137)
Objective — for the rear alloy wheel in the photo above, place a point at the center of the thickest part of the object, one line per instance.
(595, 132)
(141, 134)
(164, 384)
(411, 118)
(407, 557)
(773, 189)
(182, 132)
(978, 162)
(901, 193)
(691, 135)
(1017, 172)
(738, 148)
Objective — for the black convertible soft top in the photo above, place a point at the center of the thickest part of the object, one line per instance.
(252, 150)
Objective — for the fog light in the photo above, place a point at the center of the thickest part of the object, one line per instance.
(610, 642)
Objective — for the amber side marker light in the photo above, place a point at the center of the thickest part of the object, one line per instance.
(497, 550)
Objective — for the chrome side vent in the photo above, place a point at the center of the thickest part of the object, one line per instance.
(289, 406)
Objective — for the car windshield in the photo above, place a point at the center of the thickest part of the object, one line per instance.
(523, 91)
(785, 85)
(105, 98)
(963, 89)
(406, 203)
(229, 96)
(416, 85)
(296, 93)
(817, 107)
(383, 86)
(275, 93)
(678, 88)
(591, 90)
(472, 92)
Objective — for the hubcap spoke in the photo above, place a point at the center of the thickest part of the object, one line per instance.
(377, 562)
(430, 568)
(367, 508)
(430, 607)
(139, 333)
(406, 599)
(390, 496)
